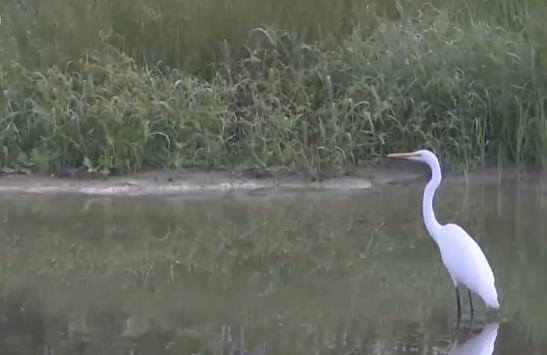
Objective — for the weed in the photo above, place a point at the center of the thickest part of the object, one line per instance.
(471, 87)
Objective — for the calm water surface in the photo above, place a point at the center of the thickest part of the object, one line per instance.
(302, 273)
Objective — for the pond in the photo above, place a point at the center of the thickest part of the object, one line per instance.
(301, 272)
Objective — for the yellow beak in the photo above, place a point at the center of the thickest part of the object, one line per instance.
(400, 155)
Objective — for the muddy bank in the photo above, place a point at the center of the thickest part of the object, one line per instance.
(172, 182)
(192, 181)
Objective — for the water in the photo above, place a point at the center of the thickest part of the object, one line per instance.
(301, 273)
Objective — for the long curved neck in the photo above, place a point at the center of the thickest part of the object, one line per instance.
(430, 221)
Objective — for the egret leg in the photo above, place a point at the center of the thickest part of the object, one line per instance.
(458, 303)
(471, 303)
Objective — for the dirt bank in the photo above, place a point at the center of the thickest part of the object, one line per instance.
(190, 181)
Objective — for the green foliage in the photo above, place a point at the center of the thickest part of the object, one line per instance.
(178, 32)
(471, 85)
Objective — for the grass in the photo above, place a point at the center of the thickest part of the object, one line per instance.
(163, 88)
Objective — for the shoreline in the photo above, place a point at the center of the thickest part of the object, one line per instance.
(188, 181)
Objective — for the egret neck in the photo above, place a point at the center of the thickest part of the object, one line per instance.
(431, 222)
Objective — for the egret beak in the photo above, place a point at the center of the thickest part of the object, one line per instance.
(400, 155)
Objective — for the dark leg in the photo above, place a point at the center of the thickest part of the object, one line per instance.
(458, 304)
(471, 303)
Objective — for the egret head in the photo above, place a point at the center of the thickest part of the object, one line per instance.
(423, 155)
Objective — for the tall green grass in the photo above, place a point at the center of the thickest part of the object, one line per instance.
(178, 32)
(132, 94)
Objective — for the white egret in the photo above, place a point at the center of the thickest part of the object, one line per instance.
(461, 255)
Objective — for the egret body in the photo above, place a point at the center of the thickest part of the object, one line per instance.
(461, 255)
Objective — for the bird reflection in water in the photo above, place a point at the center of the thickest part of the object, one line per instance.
(468, 342)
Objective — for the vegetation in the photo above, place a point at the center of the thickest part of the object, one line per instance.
(247, 85)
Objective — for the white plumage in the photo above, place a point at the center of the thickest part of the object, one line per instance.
(461, 255)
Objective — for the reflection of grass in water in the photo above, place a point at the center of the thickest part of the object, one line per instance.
(308, 265)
